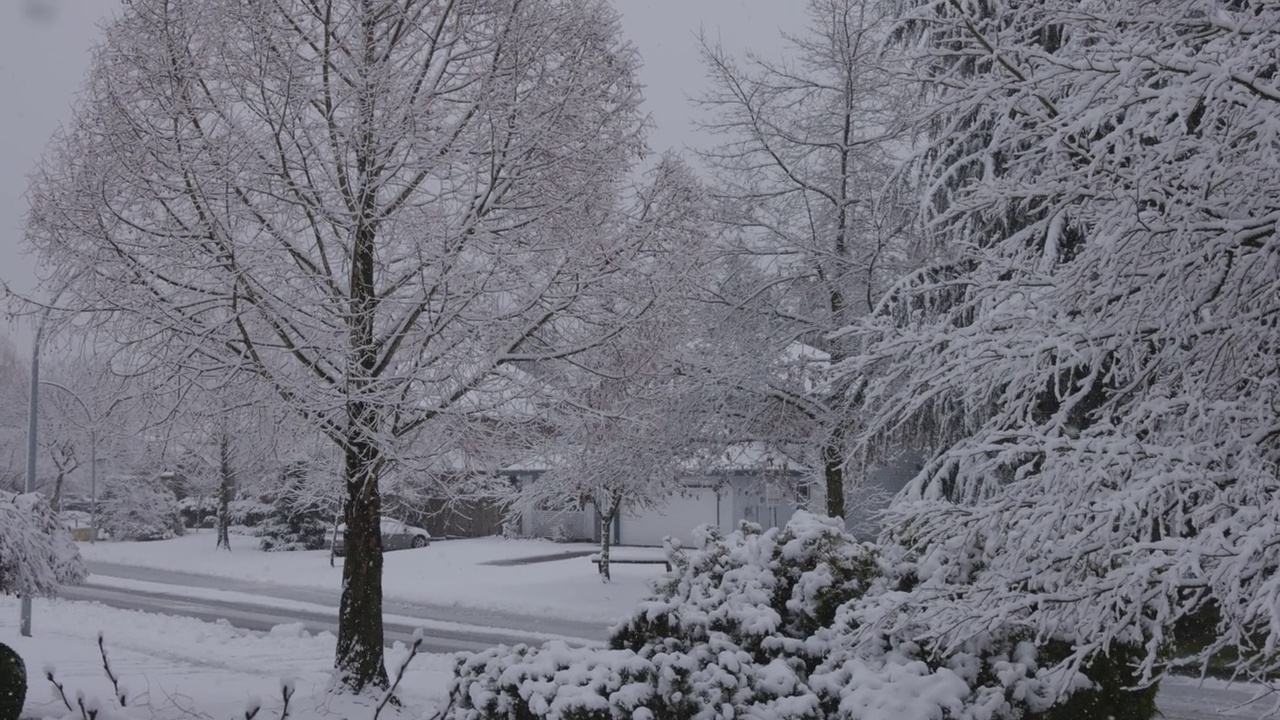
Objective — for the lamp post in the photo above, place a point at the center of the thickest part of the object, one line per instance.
(93, 457)
(24, 624)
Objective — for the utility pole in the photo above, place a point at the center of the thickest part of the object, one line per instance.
(24, 625)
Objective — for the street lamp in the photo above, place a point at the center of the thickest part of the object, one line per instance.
(24, 625)
(93, 457)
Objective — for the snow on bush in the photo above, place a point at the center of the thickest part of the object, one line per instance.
(784, 624)
(249, 512)
(136, 509)
(36, 551)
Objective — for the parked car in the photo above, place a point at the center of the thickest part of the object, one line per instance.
(396, 535)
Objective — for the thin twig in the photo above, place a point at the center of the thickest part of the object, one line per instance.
(286, 691)
(106, 665)
(48, 673)
(404, 666)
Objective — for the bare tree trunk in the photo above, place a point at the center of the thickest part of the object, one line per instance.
(606, 536)
(359, 658)
(833, 461)
(226, 488)
(64, 461)
(55, 500)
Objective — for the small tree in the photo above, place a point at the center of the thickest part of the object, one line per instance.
(300, 512)
(627, 417)
(802, 168)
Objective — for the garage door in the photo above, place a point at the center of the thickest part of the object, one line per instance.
(677, 519)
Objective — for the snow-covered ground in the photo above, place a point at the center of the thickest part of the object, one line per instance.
(446, 572)
(178, 667)
(173, 667)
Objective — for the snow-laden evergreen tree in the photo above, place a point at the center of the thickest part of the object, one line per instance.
(806, 147)
(370, 205)
(301, 510)
(1093, 356)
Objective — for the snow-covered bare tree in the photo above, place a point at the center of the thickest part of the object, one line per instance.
(370, 205)
(226, 431)
(628, 421)
(807, 151)
(1093, 360)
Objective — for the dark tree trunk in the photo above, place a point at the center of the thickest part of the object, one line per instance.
(359, 657)
(833, 461)
(226, 488)
(359, 661)
(606, 536)
(64, 461)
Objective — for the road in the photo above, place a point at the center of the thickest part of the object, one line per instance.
(189, 583)
(474, 629)
(469, 629)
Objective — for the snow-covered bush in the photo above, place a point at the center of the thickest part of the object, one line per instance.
(249, 512)
(37, 554)
(136, 509)
(13, 683)
(786, 624)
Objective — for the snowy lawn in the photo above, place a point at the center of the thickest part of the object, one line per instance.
(174, 667)
(451, 572)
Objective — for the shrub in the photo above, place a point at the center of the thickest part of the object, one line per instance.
(37, 554)
(783, 624)
(13, 683)
(136, 509)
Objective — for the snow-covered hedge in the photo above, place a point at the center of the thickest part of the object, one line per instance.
(135, 509)
(36, 551)
(782, 624)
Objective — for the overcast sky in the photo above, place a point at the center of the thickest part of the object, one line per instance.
(44, 46)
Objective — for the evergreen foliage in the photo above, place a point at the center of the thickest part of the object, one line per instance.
(299, 519)
(13, 683)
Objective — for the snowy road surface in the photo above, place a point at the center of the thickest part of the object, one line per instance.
(190, 585)
(263, 617)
